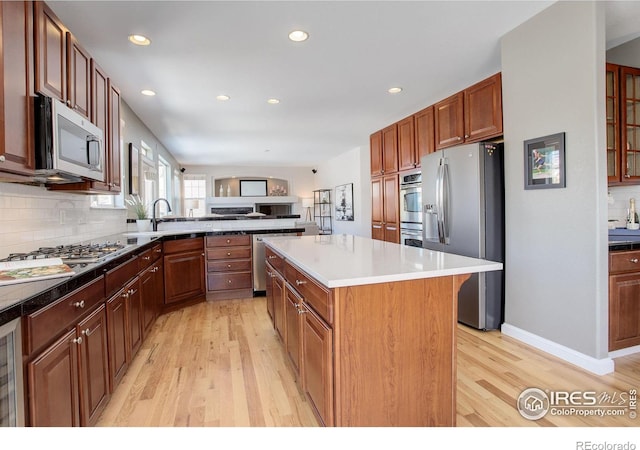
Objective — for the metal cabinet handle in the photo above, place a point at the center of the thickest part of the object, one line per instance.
(77, 340)
(79, 304)
(228, 266)
(229, 281)
(299, 282)
(2, 158)
(228, 241)
(146, 258)
(272, 256)
(634, 260)
(132, 291)
(301, 311)
(125, 294)
(158, 250)
(269, 273)
(228, 253)
(87, 332)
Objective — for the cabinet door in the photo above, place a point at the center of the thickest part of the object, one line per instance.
(94, 366)
(483, 109)
(100, 113)
(278, 305)
(148, 295)
(406, 144)
(114, 151)
(425, 139)
(630, 134)
(184, 276)
(613, 123)
(269, 274)
(390, 149)
(16, 102)
(79, 75)
(50, 53)
(377, 209)
(53, 385)
(292, 329)
(118, 333)
(449, 121)
(317, 363)
(375, 141)
(134, 316)
(391, 209)
(624, 311)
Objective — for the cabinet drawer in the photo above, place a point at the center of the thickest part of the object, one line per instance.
(118, 277)
(183, 245)
(228, 253)
(624, 261)
(276, 261)
(224, 281)
(313, 293)
(156, 252)
(241, 265)
(228, 241)
(45, 325)
(145, 259)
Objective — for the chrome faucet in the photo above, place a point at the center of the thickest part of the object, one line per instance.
(154, 220)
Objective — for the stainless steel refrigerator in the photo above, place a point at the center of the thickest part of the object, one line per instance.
(463, 207)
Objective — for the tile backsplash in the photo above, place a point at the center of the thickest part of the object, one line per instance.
(619, 202)
(32, 217)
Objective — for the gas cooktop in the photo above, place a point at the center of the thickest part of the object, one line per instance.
(73, 254)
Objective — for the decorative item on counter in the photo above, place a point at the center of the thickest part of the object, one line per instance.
(632, 216)
(143, 223)
(278, 191)
(228, 190)
(221, 192)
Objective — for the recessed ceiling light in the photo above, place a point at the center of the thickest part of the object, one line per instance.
(273, 101)
(147, 92)
(267, 150)
(298, 35)
(223, 98)
(394, 90)
(139, 39)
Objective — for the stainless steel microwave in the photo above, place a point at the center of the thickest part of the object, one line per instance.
(68, 147)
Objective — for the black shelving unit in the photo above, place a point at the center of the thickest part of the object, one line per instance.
(322, 210)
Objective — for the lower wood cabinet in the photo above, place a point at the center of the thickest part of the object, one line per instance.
(317, 360)
(229, 271)
(119, 353)
(184, 271)
(68, 382)
(624, 299)
(278, 304)
(134, 316)
(152, 295)
(292, 341)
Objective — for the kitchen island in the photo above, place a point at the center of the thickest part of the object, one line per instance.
(369, 326)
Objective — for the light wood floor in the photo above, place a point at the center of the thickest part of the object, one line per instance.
(221, 364)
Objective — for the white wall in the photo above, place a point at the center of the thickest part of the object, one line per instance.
(349, 167)
(556, 239)
(300, 178)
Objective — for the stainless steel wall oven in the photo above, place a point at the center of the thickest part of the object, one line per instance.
(411, 208)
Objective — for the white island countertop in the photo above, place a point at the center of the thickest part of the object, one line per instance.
(340, 260)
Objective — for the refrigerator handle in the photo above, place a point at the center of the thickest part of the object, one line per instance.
(442, 199)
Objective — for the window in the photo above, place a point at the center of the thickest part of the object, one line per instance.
(164, 184)
(195, 193)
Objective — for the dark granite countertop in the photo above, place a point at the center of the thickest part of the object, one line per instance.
(24, 298)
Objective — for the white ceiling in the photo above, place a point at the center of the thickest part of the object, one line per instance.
(332, 88)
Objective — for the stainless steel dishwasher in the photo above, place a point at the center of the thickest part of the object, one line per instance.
(259, 274)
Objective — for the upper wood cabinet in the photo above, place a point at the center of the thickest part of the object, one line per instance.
(16, 96)
(50, 53)
(114, 152)
(613, 123)
(79, 77)
(390, 149)
(375, 142)
(407, 158)
(470, 115)
(623, 124)
(424, 133)
(630, 124)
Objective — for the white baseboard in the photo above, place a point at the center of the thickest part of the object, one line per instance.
(593, 365)
(624, 351)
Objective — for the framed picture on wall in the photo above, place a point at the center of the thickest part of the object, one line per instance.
(544, 160)
(134, 169)
(344, 202)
